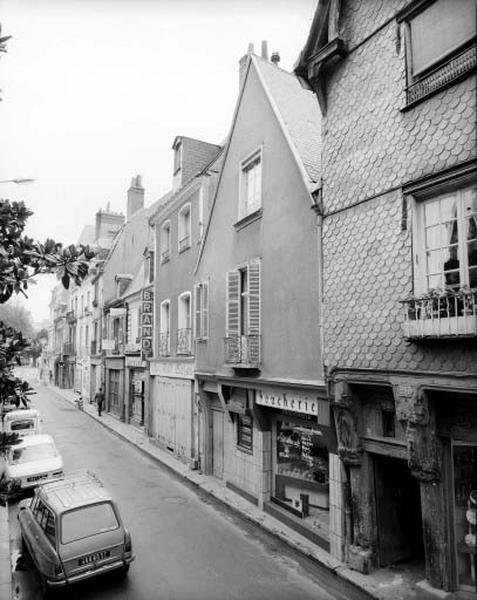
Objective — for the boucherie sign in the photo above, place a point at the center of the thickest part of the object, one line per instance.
(296, 402)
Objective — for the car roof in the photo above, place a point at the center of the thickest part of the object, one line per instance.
(73, 491)
(34, 440)
(21, 413)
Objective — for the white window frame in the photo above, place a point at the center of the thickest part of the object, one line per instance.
(184, 227)
(201, 212)
(180, 311)
(419, 202)
(244, 168)
(165, 241)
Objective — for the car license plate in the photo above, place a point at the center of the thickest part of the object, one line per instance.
(86, 560)
(37, 477)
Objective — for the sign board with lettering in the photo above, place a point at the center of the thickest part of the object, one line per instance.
(184, 370)
(147, 322)
(298, 402)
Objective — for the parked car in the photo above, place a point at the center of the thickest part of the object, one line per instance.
(73, 531)
(33, 460)
(24, 421)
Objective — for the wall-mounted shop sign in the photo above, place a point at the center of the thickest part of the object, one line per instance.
(183, 370)
(146, 322)
(306, 404)
(117, 312)
(135, 361)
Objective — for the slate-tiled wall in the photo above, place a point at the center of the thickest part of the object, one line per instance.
(370, 149)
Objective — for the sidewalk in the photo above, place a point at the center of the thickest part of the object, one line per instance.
(385, 584)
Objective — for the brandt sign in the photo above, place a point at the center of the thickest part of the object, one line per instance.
(146, 323)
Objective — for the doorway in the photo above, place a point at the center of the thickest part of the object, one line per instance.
(398, 511)
(218, 443)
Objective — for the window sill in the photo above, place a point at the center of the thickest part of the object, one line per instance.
(454, 69)
(251, 218)
(182, 250)
(244, 450)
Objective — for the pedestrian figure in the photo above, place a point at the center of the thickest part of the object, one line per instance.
(99, 398)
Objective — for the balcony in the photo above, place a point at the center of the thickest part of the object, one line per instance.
(110, 347)
(68, 349)
(184, 339)
(165, 256)
(132, 348)
(184, 243)
(243, 351)
(70, 316)
(164, 344)
(441, 314)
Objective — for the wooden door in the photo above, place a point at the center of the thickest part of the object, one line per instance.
(218, 443)
(398, 511)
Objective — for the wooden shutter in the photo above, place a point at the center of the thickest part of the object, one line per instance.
(197, 311)
(254, 298)
(205, 309)
(233, 304)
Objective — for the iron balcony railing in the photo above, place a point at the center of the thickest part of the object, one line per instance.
(68, 349)
(441, 314)
(184, 243)
(164, 344)
(243, 351)
(184, 341)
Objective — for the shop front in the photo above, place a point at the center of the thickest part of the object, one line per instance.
(114, 375)
(135, 401)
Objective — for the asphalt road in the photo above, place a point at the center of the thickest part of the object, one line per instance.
(188, 546)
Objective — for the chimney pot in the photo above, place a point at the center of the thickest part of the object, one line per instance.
(265, 49)
(275, 58)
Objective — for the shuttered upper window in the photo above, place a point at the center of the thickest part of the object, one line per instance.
(201, 308)
(243, 300)
(438, 30)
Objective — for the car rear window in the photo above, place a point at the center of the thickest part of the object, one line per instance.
(87, 521)
(18, 425)
(31, 453)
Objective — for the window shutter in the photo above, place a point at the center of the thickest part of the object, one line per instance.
(254, 298)
(233, 304)
(205, 309)
(197, 311)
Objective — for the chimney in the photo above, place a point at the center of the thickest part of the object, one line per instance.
(265, 49)
(243, 65)
(275, 58)
(135, 196)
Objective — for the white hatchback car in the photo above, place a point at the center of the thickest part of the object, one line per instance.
(32, 461)
(23, 421)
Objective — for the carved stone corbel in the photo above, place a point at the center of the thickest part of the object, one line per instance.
(346, 425)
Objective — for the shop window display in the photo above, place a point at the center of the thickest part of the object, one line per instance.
(302, 471)
(465, 503)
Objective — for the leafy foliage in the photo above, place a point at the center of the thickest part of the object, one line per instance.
(21, 259)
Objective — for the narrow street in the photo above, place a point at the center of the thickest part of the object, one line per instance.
(187, 546)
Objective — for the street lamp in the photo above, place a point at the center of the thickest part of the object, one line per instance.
(19, 180)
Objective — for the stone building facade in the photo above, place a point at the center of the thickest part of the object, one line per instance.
(397, 89)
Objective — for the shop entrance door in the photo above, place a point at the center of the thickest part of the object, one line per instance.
(218, 443)
(398, 511)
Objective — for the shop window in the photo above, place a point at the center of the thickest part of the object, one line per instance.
(465, 507)
(245, 432)
(302, 468)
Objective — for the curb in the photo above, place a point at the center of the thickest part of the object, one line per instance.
(330, 568)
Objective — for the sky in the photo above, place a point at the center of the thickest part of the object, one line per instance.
(95, 91)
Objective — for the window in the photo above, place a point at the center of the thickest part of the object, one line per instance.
(164, 337)
(184, 228)
(201, 323)
(184, 324)
(439, 45)
(201, 212)
(242, 342)
(245, 432)
(250, 185)
(88, 299)
(166, 242)
(446, 244)
(151, 266)
(87, 521)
